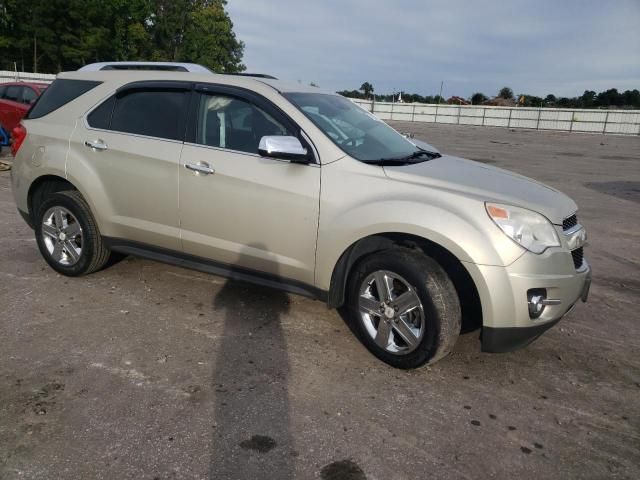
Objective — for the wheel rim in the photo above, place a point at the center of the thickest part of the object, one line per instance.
(62, 236)
(391, 312)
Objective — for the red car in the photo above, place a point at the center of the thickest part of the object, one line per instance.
(15, 100)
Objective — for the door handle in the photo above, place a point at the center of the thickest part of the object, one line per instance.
(96, 145)
(200, 167)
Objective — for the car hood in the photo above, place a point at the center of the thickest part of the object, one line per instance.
(486, 183)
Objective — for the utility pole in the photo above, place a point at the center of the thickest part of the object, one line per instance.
(440, 94)
(35, 54)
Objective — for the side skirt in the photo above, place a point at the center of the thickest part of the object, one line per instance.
(209, 266)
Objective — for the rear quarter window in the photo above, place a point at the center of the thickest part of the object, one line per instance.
(101, 116)
(58, 94)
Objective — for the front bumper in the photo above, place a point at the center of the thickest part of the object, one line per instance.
(507, 324)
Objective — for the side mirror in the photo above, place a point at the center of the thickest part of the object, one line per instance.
(288, 148)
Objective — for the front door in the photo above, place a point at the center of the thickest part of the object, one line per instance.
(236, 207)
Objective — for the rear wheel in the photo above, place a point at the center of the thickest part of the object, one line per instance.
(67, 235)
(404, 307)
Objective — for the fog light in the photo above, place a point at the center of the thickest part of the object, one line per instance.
(537, 301)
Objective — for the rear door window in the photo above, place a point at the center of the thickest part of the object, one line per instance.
(151, 112)
(59, 93)
(2, 90)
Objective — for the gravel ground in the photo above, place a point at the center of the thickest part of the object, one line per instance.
(149, 371)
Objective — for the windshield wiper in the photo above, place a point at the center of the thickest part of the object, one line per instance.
(421, 152)
(406, 160)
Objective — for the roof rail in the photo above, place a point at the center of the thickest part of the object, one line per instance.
(163, 66)
(256, 75)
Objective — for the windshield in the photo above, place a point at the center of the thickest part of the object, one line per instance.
(353, 129)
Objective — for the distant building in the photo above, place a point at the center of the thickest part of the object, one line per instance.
(457, 101)
(500, 102)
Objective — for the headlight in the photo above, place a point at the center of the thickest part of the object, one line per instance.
(530, 229)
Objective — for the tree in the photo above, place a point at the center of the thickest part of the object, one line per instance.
(54, 35)
(350, 93)
(609, 97)
(367, 89)
(506, 93)
(631, 98)
(209, 40)
(478, 98)
(531, 100)
(587, 99)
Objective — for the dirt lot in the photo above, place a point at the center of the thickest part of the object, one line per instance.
(155, 372)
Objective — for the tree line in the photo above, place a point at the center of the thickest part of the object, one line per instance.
(50, 36)
(589, 99)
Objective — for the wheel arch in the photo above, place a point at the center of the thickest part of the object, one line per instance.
(462, 280)
(43, 186)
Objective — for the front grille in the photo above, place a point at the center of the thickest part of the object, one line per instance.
(577, 255)
(569, 222)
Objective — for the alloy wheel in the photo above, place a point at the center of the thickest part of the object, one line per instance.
(391, 312)
(62, 235)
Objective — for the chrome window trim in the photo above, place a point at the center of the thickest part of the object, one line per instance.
(248, 154)
(137, 135)
(85, 121)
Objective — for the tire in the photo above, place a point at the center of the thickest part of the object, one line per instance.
(80, 246)
(425, 324)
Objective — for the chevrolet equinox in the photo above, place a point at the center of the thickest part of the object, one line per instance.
(298, 189)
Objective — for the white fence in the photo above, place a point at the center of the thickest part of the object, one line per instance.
(621, 122)
(9, 76)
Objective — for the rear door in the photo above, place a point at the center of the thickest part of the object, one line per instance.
(132, 143)
(249, 212)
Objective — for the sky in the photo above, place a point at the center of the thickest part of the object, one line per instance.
(535, 47)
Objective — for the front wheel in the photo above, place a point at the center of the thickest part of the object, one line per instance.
(404, 307)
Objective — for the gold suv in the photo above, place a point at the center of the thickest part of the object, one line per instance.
(298, 189)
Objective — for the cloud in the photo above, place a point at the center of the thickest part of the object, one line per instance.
(560, 47)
